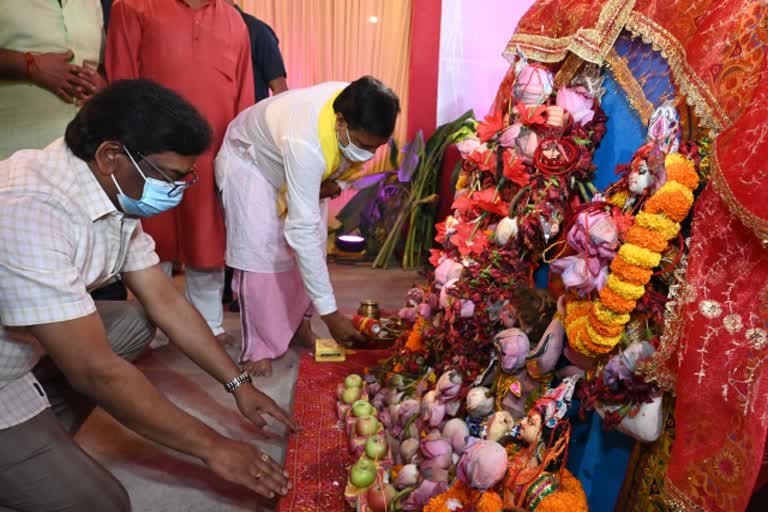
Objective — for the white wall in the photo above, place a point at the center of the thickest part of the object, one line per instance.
(473, 34)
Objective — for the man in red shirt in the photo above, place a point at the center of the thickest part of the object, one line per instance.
(200, 49)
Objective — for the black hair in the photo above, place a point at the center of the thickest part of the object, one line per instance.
(368, 105)
(142, 115)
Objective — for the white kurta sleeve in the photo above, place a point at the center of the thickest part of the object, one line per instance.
(304, 224)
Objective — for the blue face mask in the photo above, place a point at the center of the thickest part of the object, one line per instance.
(155, 198)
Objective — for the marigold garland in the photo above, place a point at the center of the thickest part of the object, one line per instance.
(657, 222)
(619, 199)
(487, 501)
(644, 237)
(570, 496)
(608, 317)
(640, 256)
(673, 200)
(624, 289)
(614, 302)
(630, 273)
(597, 330)
(680, 170)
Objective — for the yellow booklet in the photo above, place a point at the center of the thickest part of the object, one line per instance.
(328, 351)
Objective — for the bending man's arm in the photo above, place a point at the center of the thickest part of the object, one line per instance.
(80, 349)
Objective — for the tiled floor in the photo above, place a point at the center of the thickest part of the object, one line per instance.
(159, 480)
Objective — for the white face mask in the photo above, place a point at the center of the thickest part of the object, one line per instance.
(354, 153)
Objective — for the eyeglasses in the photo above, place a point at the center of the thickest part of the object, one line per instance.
(179, 186)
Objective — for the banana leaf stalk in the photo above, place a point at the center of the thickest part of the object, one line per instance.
(419, 209)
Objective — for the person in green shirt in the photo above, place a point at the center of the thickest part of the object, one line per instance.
(50, 52)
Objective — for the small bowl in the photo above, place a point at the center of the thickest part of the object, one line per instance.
(350, 243)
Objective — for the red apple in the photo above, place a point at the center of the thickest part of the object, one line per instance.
(380, 497)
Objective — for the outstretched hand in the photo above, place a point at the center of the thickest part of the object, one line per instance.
(342, 330)
(243, 464)
(254, 404)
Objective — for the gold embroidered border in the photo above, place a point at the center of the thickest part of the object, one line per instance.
(657, 368)
(568, 70)
(677, 500)
(632, 89)
(591, 44)
(696, 92)
(746, 217)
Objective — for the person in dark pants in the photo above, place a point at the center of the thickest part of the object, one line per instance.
(69, 221)
(268, 74)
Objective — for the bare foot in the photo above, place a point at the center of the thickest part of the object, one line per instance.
(225, 339)
(304, 336)
(261, 368)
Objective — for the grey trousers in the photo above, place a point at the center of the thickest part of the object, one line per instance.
(42, 469)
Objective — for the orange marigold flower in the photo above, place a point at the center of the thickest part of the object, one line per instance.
(644, 237)
(631, 273)
(414, 342)
(681, 170)
(615, 303)
(489, 502)
(604, 329)
(673, 203)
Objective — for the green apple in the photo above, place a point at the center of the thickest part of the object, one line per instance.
(350, 395)
(363, 473)
(366, 426)
(353, 380)
(376, 447)
(363, 408)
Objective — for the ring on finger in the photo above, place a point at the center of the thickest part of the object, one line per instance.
(264, 457)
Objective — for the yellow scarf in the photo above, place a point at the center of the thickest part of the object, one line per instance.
(329, 145)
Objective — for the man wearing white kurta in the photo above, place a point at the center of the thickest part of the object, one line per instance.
(280, 159)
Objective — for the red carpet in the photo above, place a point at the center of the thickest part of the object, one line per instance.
(317, 458)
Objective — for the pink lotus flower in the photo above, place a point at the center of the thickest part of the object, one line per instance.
(407, 409)
(483, 465)
(509, 135)
(580, 274)
(468, 145)
(432, 410)
(514, 346)
(409, 448)
(434, 446)
(407, 476)
(526, 143)
(534, 85)
(421, 496)
(449, 385)
(456, 432)
(408, 313)
(595, 234)
(425, 310)
(415, 296)
(577, 104)
(449, 270)
(467, 309)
